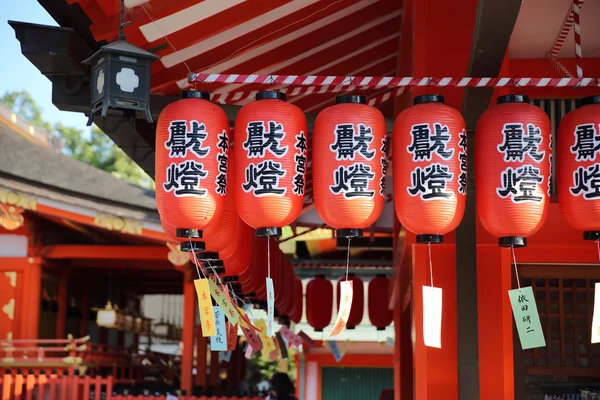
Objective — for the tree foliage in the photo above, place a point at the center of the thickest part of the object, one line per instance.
(98, 151)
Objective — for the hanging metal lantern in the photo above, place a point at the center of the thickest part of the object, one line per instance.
(120, 77)
(578, 169)
(110, 317)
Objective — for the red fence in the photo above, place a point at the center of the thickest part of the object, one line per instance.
(56, 387)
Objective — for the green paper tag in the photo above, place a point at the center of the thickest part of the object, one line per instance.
(527, 318)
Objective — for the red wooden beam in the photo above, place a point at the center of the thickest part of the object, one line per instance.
(76, 251)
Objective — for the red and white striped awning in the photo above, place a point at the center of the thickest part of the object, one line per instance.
(302, 37)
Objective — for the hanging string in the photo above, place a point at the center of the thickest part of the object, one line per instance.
(512, 249)
(348, 259)
(122, 21)
(598, 247)
(195, 260)
(430, 263)
(162, 309)
(269, 256)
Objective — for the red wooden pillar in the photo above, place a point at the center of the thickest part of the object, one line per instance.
(494, 279)
(189, 319)
(214, 370)
(61, 318)
(201, 346)
(435, 370)
(85, 312)
(33, 283)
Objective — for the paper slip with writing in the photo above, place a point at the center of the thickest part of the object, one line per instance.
(337, 354)
(307, 342)
(270, 307)
(432, 316)
(596, 315)
(268, 343)
(527, 318)
(219, 341)
(225, 356)
(282, 346)
(232, 336)
(248, 353)
(253, 339)
(294, 339)
(345, 305)
(230, 311)
(205, 307)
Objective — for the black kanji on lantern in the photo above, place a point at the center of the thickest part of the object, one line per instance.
(517, 143)
(383, 161)
(263, 179)
(184, 179)
(462, 162)
(424, 144)
(353, 181)
(586, 181)
(181, 139)
(587, 142)
(300, 160)
(259, 139)
(347, 143)
(223, 161)
(430, 183)
(521, 184)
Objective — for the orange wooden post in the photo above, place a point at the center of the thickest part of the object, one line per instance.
(435, 370)
(201, 346)
(494, 279)
(61, 318)
(189, 319)
(34, 282)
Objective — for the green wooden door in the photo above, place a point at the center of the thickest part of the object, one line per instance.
(339, 383)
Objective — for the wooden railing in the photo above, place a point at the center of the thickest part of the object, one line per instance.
(17, 386)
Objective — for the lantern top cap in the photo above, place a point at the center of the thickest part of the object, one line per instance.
(590, 100)
(195, 94)
(351, 99)
(122, 47)
(428, 98)
(271, 95)
(512, 98)
(208, 255)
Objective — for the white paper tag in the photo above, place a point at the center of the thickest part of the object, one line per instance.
(596, 317)
(219, 341)
(270, 307)
(347, 293)
(432, 316)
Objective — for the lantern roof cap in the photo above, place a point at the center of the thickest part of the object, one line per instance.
(512, 98)
(122, 47)
(590, 100)
(428, 98)
(195, 94)
(271, 95)
(351, 99)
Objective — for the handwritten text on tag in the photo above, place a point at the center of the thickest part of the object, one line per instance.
(219, 341)
(270, 307)
(205, 308)
(337, 354)
(527, 318)
(294, 339)
(221, 299)
(345, 306)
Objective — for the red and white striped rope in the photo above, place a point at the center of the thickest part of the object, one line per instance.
(317, 83)
(577, 35)
(564, 72)
(386, 96)
(559, 41)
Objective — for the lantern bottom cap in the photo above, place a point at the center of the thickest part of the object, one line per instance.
(250, 294)
(268, 232)
(349, 232)
(512, 241)
(380, 329)
(232, 279)
(192, 246)
(318, 330)
(350, 327)
(189, 233)
(591, 235)
(430, 238)
(208, 255)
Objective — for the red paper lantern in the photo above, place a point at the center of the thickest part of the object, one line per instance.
(512, 169)
(358, 300)
(192, 144)
(578, 167)
(349, 165)
(319, 302)
(430, 168)
(298, 301)
(271, 162)
(379, 313)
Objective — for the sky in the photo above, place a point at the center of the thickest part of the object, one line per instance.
(17, 73)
